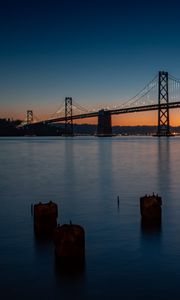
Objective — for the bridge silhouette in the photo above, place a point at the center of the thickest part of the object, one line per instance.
(162, 93)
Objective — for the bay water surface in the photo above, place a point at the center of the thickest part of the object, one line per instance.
(84, 176)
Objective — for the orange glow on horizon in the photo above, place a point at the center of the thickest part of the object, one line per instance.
(136, 119)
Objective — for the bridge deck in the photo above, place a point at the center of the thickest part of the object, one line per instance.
(116, 112)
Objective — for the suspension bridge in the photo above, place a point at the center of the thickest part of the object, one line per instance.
(162, 93)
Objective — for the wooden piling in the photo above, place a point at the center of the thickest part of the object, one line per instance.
(150, 207)
(69, 240)
(45, 217)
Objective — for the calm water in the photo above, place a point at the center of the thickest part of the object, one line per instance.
(84, 176)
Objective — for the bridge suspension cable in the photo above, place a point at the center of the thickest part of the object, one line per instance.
(142, 96)
(58, 112)
(145, 97)
(174, 88)
(80, 107)
(142, 93)
(135, 100)
(171, 77)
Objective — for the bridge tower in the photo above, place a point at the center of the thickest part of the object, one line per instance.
(163, 98)
(104, 127)
(68, 116)
(29, 117)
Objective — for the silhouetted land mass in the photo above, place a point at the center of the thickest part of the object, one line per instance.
(10, 128)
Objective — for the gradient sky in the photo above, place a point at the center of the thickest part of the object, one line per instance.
(93, 51)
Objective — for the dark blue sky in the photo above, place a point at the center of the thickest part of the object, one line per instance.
(94, 51)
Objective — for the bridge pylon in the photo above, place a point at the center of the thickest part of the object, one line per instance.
(163, 98)
(68, 117)
(104, 127)
(29, 117)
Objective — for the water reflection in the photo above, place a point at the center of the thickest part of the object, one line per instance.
(164, 165)
(70, 269)
(71, 282)
(104, 169)
(43, 243)
(69, 171)
(149, 228)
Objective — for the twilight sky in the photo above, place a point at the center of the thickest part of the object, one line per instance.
(93, 51)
